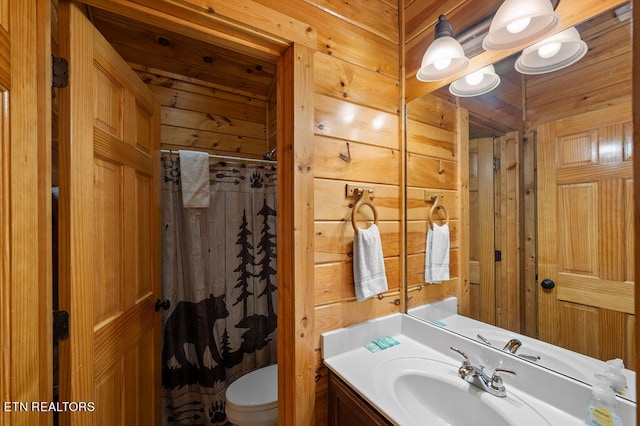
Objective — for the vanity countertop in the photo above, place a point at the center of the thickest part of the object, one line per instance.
(558, 399)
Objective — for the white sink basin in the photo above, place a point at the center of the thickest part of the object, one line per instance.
(430, 392)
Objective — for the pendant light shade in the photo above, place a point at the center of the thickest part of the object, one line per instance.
(477, 83)
(553, 53)
(444, 57)
(520, 23)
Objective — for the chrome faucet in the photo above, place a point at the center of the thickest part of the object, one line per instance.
(477, 377)
(512, 346)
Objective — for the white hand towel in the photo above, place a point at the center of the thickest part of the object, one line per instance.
(194, 178)
(436, 264)
(368, 263)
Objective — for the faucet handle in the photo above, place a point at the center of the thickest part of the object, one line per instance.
(466, 358)
(466, 370)
(496, 378)
(530, 357)
(484, 339)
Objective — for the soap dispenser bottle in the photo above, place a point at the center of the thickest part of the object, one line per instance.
(614, 373)
(602, 407)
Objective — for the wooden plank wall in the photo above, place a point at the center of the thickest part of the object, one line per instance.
(432, 166)
(202, 116)
(357, 140)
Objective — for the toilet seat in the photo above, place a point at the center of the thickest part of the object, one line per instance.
(253, 398)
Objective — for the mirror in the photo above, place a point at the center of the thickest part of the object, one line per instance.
(549, 168)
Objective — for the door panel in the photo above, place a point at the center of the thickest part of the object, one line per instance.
(109, 227)
(482, 239)
(585, 233)
(508, 283)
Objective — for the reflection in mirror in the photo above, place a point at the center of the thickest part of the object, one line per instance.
(542, 241)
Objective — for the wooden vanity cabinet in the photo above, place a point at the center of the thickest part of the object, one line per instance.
(347, 408)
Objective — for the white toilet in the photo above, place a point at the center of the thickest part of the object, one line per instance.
(252, 400)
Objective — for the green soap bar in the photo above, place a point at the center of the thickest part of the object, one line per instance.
(372, 347)
(381, 343)
(391, 341)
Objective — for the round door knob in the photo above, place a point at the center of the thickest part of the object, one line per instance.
(164, 304)
(547, 284)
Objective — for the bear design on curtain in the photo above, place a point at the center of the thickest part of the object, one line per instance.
(218, 271)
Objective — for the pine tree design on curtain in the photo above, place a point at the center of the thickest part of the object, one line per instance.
(259, 327)
(267, 247)
(246, 259)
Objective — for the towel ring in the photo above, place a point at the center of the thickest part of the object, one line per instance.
(363, 200)
(434, 207)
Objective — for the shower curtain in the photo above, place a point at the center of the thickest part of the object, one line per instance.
(218, 271)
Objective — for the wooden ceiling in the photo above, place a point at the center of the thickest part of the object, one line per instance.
(148, 47)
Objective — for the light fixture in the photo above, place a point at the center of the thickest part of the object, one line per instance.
(520, 23)
(553, 53)
(444, 57)
(477, 83)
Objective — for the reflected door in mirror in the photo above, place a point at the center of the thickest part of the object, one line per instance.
(482, 289)
(585, 233)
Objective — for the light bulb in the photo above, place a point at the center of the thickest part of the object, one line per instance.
(474, 78)
(549, 50)
(442, 63)
(518, 26)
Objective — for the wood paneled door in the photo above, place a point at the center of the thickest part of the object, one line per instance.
(482, 271)
(109, 233)
(585, 233)
(494, 211)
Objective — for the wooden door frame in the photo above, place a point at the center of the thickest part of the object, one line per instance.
(636, 172)
(295, 44)
(25, 210)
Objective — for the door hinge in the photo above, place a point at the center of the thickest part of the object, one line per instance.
(60, 325)
(496, 163)
(59, 72)
(497, 255)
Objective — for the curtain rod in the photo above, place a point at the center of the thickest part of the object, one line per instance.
(227, 157)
